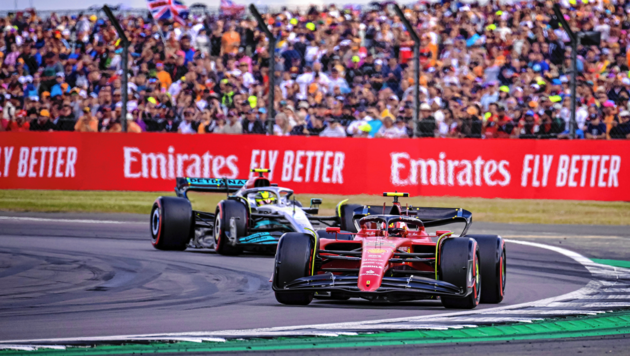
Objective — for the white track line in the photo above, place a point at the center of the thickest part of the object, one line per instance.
(21, 218)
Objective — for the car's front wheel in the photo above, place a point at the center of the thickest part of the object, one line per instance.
(454, 267)
(231, 218)
(294, 259)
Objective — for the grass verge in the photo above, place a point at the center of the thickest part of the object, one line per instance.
(491, 210)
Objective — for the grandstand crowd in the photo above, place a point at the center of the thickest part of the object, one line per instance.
(493, 71)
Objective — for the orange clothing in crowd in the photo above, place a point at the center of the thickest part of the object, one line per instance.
(608, 120)
(164, 78)
(432, 47)
(230, 42)
(202, 127)
(133, 127)
(116, 127)
(89, 124)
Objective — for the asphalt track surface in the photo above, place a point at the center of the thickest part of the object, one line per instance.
(80, 279)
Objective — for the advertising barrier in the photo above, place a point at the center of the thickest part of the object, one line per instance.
(498, 168)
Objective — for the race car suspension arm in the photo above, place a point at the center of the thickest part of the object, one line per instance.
(400, 260)
(203, 219)
(346, 270)
(403, 254)
(324, 218)
(344, 258)
(350, 253)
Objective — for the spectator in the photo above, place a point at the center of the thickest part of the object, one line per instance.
(170, 123)
(337, 82)
(87, 122)
(42, 123)
(334, 129)
(504, 125)
(527, 125)
(363, 119)
(388, 130)
(448, 126)
(189, 124)
(621, 129)
(20, 124)
(10, 107)
(163, 76)
(282, 126)
(470, 125)
(426, 124)
(595, 130)
(230, 41)
(301, 127)
(132, 126)
(66, 120)
(206, 124)
(393, 75)
(232, 126)
(251, 124)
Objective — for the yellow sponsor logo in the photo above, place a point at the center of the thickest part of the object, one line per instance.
(376, 250)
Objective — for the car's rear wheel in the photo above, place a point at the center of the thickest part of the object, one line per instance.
(493, 263)
(171, 223)
(228, 213)
(294, 259)
(454, 268)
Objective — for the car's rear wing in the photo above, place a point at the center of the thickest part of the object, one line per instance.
(430, 217)
(211, 185)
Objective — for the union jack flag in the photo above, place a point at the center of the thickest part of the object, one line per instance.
(228, 7)
(168, 9)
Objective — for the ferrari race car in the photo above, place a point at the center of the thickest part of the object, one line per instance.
(255, 214)
(390, 257)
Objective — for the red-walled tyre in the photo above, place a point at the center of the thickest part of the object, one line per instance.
(454, 268)
(493, 267)
(171, 223)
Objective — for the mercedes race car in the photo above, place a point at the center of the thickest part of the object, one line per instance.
(255, 214)
(391, 257)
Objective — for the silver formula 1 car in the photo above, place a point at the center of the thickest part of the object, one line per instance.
(255, 214)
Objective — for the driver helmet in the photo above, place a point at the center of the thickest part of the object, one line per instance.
(264, 197)
(400, 228)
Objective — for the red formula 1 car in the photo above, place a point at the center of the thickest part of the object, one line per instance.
(391, 257)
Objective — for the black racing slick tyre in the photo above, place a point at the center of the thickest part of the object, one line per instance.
(493, 263)
(294, 259)
(345, 212)
(454, 268)
(171, 223)
(229, 212)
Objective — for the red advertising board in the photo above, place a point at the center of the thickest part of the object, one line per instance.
(521, 169)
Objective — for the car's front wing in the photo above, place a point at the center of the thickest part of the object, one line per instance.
(389, 286)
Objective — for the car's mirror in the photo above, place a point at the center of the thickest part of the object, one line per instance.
(316, 201)
(333, 229)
